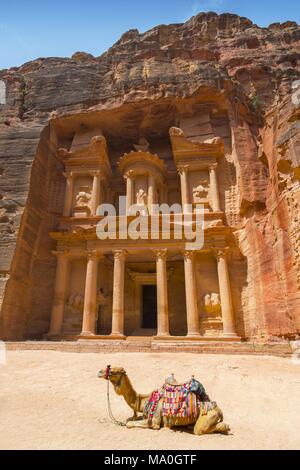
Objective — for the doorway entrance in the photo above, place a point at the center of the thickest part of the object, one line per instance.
(149, 316)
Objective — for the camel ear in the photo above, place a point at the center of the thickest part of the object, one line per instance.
(123, 371)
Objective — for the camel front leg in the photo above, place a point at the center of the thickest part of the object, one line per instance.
(133, 418)
(138, 424)
(144, 424)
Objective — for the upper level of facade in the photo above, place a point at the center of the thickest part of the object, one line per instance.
(142, 176)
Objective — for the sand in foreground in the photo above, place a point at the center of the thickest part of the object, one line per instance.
(53, 400)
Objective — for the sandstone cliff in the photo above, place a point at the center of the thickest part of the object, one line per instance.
(214, 75)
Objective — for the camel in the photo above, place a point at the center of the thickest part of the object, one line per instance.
(205, 423)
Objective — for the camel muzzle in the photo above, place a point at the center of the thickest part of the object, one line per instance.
(105, 374)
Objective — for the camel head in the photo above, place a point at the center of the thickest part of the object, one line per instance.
(113, 374)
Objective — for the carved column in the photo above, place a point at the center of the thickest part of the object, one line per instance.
(151, 193)
(214, 189)
(90, 297)
(68, 194)
(185, 196)
(193, 320)
(163, 328)
(129, 190)
(96, 192)
(61, 282)
(225, 293)
(118, 294)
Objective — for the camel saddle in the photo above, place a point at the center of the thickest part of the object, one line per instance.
(179, 400)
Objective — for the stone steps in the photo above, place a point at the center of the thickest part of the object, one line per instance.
(146, 346)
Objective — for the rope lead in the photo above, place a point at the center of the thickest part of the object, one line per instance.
(110, 414)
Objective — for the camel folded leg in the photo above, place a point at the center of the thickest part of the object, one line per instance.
(222, 428)
(133, 418)
(143, 424)
(211, 423)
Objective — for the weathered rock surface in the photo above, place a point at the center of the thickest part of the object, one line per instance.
(218, 75)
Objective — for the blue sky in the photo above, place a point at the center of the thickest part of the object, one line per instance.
(40, 28)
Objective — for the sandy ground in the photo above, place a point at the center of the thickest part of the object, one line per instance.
(53, 400)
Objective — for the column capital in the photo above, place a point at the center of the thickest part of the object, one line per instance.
(213, 166)
(161, 253)
(189, 254)
(183, 169)
(129, 174)
(221, 253)
(68, 174)
(92, 254)
(61, 252)
(96, 173)
(120, 254)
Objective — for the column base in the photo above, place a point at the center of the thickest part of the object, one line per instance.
(96, 338)
(86, 334)
(117, 336)
(233, 336)
(162, 336)
(53, 336)
(194, 335)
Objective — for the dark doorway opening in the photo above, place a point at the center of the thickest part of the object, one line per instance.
(149, 319)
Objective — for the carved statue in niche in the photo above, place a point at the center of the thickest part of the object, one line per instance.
(75, 303)
(101, 298)
(83, 201)
(141, 198)
(211, 315)
(102, 302)
(200, 193)
(212, 304)
(73, 313)
(142, 146)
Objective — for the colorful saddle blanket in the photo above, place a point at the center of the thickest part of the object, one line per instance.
(178, 401)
